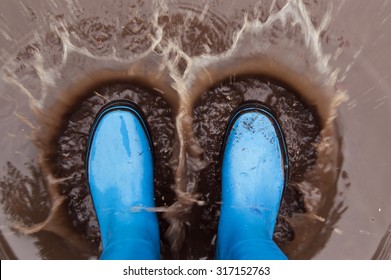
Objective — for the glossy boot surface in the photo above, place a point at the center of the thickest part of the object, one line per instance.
(120, 177)
(254, 174)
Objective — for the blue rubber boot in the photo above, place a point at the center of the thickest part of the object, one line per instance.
(254, 174)
(120, 177)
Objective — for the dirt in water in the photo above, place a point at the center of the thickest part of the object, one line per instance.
(189, 67)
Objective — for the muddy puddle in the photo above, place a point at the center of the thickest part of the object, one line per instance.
(321, 67)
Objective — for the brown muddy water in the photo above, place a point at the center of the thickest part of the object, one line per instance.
(324, 67)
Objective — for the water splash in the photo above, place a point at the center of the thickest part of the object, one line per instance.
(285, 46)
